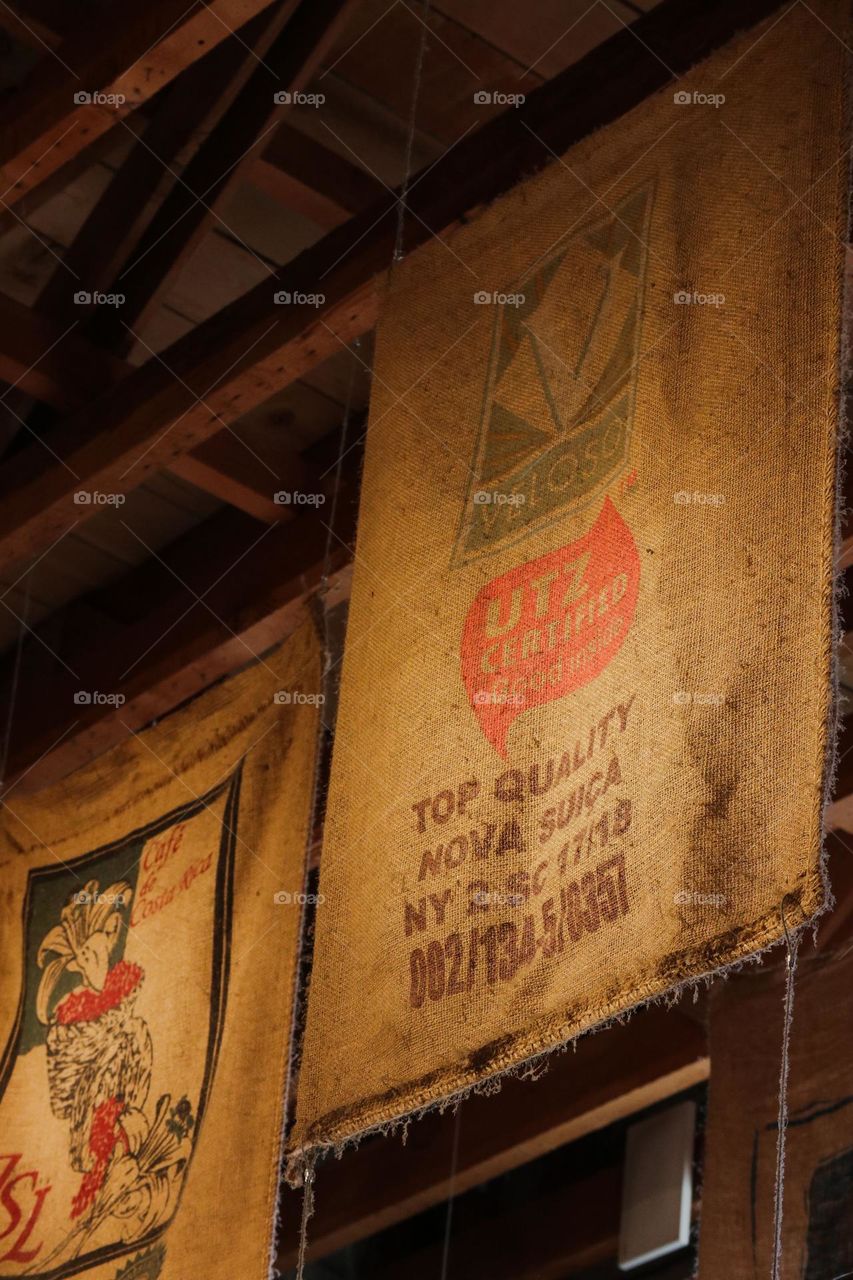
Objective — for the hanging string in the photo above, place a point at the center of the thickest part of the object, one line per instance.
(782, 1123)
(339, 466)
(307, 1210)
(308, 1175)
(410, 136)
(13, 691)
(308, 1169)
(454, 1160)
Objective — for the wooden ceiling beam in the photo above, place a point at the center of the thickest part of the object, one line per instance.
(312, 180)
(253, 348)
(55, 184)
(289, 62)
(256, 471)
(134, 52)
(187, 109)
(184, 113)
(60, 367)
(57, 365)
(656, 1055)
(218, 598)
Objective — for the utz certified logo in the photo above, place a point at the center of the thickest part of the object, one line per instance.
(559, 394)
(549, 626)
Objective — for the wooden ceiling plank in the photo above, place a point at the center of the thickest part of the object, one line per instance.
(564, 30)
(134, 53)
(188, 211)
(655, 1056)
(56, 184)
(184, 113)
(253, 348)
(200, 609)
(313, 180)
(196, 100)
(380, 60)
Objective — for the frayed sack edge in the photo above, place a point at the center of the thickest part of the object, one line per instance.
(302, 1160)
(843, 295)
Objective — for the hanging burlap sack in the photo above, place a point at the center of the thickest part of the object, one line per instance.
(585, 703)
(149, 928)
(738, 1194)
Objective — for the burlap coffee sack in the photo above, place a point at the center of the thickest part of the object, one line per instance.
(585, 704)
(149, 928)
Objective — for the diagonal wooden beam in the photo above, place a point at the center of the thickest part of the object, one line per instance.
(289, 63)
(136, 50)
(57, 365)
(55, 184)
(256, 471)
(181, 115)
(188, 108)
(253, 348)
(201, 609)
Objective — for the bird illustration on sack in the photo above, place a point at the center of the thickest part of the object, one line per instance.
(99, 1064)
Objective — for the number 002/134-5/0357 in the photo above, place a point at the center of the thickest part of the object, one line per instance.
(496, 952)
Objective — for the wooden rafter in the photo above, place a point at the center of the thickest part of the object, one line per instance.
(288, 63)
(184, 113)
(249, 471)
(138, 49)
(251, 349)
(221, 595)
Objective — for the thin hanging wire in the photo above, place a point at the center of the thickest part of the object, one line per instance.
(410, 135)
(339, 466)
(308, 1174)
(308, 1168)
(782, 1123)
(454, 1161)
(13, 692)
(307, 1210)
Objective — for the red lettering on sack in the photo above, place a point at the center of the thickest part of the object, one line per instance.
(550, 626)
(14, 1204)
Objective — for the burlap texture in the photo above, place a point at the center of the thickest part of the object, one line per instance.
(583, 725)
(736, 1233)
(149, 922)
